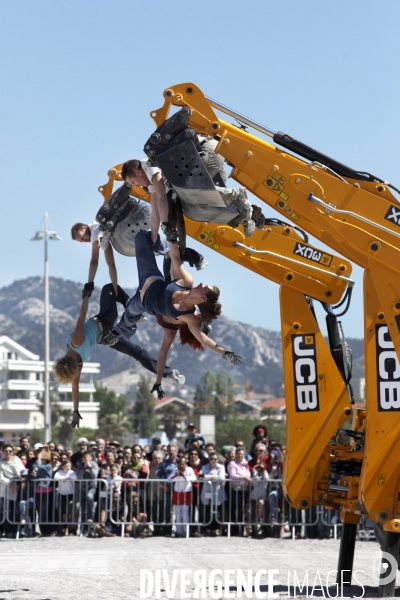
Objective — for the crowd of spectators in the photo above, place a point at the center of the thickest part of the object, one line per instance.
(105, 489)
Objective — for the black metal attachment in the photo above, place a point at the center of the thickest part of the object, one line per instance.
(116, 208)
(285, 140)
(346, 554)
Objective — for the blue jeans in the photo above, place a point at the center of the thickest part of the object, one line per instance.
(25, 510)
(87, 505)
(108, 314)
(146, 360)
(273, 498)
(108, 305)
(147, 267)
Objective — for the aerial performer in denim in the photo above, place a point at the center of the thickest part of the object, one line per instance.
(175, 299)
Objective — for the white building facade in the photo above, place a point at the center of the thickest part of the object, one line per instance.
(22, 388)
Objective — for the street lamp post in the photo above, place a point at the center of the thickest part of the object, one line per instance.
(40, 235)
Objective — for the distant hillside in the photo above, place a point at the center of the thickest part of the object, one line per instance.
(22, 318)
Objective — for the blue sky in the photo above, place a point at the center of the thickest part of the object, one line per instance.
(80, 78)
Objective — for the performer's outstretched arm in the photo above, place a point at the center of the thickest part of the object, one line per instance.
(78, 337)
(178, 270)
(109, 256)
(75, 389)
(169, 336)
(159, 205)
(194, 326)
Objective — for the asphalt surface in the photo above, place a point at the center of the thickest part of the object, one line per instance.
(97, 569)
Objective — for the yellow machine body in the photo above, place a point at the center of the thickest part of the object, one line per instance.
(317, 405)
(380, 476)
(357, 218)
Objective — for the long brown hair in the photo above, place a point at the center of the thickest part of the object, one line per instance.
(211, 308)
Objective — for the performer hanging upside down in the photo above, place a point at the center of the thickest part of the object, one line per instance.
(123, 239)
(171, 327)
(88, 333)
(176, 299)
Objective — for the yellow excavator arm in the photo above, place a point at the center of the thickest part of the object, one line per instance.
(354, 213)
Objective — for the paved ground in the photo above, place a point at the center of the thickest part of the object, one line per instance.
(97, 569)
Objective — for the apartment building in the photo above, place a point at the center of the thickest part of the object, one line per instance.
(22, 388)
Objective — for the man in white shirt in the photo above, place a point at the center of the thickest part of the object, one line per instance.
(125, 233)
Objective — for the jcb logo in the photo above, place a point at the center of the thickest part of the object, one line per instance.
(305, 373)
(388, 371)
(393, 215)
(312, 254)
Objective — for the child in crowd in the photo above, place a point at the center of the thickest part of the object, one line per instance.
(114, 480)
(259, 489)
(258, 496)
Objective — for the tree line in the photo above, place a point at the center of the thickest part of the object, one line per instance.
(214, 395)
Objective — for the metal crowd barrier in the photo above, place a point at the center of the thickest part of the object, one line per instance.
(138, 506)
(2, 511)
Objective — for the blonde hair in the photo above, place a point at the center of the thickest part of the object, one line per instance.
(65, 369)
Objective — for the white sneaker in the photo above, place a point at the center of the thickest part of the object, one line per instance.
(242, 204)
(248, 227)
(177, 377)
(201, 264)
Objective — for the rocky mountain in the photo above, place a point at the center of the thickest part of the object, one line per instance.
(22, 319)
